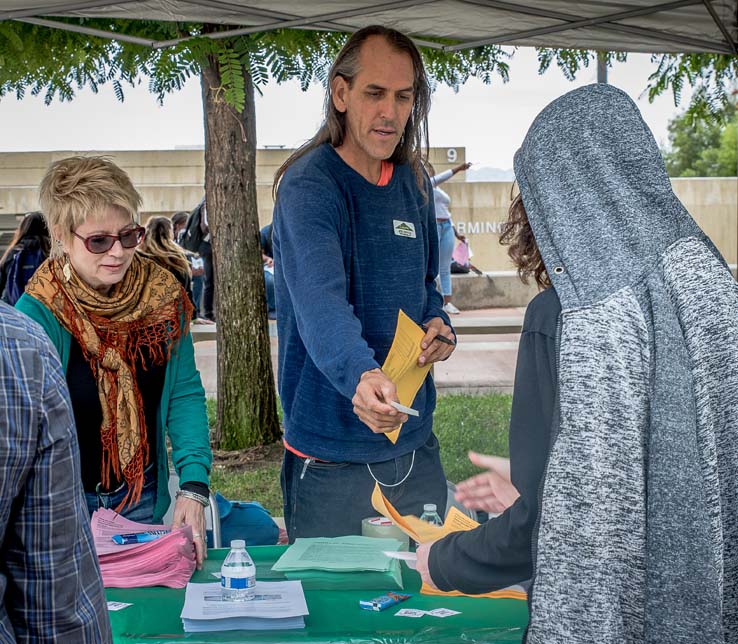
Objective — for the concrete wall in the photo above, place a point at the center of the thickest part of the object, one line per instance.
(173, 180)
(479, 209)
(168, 180)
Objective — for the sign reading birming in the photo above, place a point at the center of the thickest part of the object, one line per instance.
(479, 227)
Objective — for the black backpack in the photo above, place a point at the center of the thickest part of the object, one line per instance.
(21, 269)
(193, 234)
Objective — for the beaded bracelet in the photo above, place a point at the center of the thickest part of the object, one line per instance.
(187, 494)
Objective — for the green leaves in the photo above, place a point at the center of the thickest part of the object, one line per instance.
(712, 77)
(702, 147)
(58, 63)
(455, 68)
(231, 75)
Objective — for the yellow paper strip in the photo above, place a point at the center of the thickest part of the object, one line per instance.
(497, 594)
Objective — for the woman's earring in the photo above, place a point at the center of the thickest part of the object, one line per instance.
(67, 270)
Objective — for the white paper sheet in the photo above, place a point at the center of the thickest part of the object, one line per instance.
(410, 558)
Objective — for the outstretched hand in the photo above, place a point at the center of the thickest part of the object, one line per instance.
(491, 491)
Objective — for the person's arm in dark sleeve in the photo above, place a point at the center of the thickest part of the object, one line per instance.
(188, 290)
(4, 271)
(307, 236)
(498, 553)
(265, 234)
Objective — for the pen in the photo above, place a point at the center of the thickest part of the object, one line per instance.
(138, 537)
(439, 337)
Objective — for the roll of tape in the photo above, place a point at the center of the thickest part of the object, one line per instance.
(383, 528)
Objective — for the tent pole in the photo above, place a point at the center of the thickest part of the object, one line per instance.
(601, 67)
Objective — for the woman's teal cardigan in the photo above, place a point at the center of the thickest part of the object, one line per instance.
(182, 412)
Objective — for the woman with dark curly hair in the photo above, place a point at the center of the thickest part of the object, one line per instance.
(623, 438)
(492, 490)
(533, 404)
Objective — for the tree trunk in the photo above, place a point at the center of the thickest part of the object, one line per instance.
(247, 402)
(601, 67)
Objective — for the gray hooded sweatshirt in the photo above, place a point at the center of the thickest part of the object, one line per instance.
(638, 534)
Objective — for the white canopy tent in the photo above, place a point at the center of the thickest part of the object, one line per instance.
(623, 25)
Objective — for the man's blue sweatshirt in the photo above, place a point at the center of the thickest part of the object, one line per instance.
(348, 256)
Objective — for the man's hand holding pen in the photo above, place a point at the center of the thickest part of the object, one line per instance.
(438, 343)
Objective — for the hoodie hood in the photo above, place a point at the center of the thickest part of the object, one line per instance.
(597, 194)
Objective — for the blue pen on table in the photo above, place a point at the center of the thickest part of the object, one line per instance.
(138, 537)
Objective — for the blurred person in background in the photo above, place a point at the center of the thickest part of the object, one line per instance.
(447, 232)
(267, 256)
(158, 245)
(197, 265)
(28, 249)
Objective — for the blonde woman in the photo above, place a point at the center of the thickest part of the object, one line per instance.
(120, 323)
(158, 245)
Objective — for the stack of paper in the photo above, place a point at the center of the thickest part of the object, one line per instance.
(168, 561)
(339, 563)
(277, 605)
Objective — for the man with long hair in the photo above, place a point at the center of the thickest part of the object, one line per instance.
(354, 242)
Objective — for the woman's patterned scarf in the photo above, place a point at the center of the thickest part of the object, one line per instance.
(146, 311)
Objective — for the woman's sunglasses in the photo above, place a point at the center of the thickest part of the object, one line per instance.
(98, 244)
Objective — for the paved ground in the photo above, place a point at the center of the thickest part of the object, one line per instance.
(481, 363)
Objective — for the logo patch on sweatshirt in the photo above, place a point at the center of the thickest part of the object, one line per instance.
(404, 228)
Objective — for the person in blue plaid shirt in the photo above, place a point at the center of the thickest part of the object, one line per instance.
(50, 585)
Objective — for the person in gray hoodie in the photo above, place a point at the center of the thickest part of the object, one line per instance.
(635, 537)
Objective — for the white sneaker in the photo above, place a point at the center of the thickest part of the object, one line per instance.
(451, 309)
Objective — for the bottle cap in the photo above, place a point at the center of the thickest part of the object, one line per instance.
(238, 543)
(429, 507)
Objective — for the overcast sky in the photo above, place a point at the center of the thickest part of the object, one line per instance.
(489, 120)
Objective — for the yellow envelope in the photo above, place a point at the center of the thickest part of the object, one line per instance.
(421, 531)
(401, 364)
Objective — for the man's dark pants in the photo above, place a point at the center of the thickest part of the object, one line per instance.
(330, 499)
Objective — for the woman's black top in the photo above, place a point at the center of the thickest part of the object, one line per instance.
(88, 412)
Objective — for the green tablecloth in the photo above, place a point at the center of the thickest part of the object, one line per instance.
(334, 616)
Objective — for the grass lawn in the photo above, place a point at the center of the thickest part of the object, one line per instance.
(461, 423)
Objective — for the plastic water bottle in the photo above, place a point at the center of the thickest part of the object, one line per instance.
(430, 514)
(238, 574)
